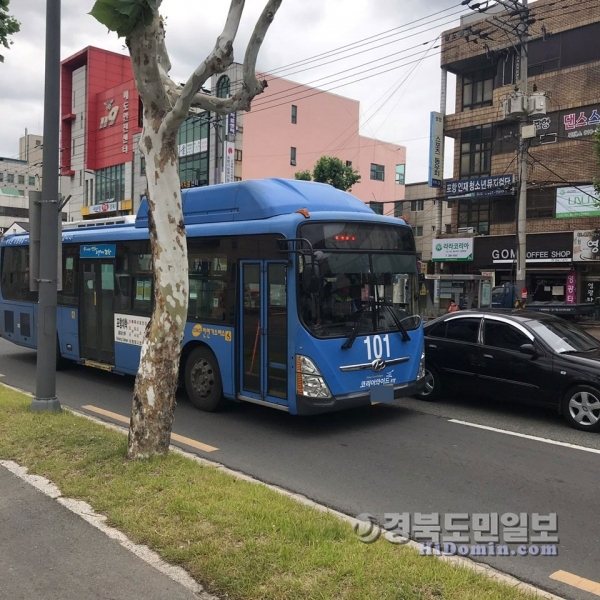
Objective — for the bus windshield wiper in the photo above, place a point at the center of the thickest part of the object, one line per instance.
(397, 321)
(348, 343)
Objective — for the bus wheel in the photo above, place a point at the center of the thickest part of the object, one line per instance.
(203, 380)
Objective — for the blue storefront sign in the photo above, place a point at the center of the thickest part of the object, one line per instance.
(494, 185)
(98, 251)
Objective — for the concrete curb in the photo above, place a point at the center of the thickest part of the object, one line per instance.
(51, 490)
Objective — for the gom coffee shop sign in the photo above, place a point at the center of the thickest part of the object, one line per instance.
(541, 248)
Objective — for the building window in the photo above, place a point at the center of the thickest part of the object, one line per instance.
(418, 230)
(398, 208)
(293, 156)
(10, 178)
(238, 155)
(377, 172)
(474, 216)
(400, 169)
(376, 207)
(348, 163)
(193, 170)
(142, 165)
(478, 89)
(417, 205)
(38, 142)
(237, 178)
(223, 87)
(21, 192)
(448, 227)
(476, 151)
(1, 176)
(541, 203)
(294, 114)
(31, 180)
(21, 179)
(110, 184)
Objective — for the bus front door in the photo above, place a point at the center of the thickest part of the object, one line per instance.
(263, 332)
(97, 339)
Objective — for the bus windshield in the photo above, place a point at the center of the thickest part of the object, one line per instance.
(368, 280)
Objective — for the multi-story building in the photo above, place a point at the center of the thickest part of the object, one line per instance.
(563, 214)
(289, 128)
(19, 176)
(420, 209)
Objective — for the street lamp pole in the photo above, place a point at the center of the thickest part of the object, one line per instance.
(45, 394)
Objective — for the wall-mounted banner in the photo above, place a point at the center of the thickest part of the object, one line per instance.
(586, 245)
(581, 201)
(436, 150)
(229, 161)
(452, 249)
(191, 148)
(495, 185)
(232, 123)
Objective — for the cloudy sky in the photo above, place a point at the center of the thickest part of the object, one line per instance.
(395, 105)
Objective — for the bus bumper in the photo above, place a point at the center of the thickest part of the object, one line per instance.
(315, 406)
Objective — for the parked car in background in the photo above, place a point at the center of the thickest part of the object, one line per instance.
(519, 356)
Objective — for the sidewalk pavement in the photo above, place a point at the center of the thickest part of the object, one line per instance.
(47, 551)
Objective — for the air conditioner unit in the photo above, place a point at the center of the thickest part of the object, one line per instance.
(466, 230)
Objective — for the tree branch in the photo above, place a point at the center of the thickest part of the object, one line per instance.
(144, 48)
(218, 61)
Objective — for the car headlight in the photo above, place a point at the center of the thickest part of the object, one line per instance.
(421, 372)
(309, 381)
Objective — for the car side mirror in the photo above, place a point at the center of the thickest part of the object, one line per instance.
(528, 349)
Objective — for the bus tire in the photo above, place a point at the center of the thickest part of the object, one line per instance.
(203, 379)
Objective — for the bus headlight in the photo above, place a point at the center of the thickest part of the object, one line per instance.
(421, 372)
(309, 381)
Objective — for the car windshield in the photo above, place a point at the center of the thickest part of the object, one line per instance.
(564, 337)
(361, 293)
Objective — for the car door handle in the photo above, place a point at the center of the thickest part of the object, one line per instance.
(431, 346)
(487, 356)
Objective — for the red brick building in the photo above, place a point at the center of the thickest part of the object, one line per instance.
(563, 219)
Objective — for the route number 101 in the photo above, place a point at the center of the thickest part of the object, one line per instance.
(375, 346)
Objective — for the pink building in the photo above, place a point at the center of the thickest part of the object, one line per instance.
(291, 126)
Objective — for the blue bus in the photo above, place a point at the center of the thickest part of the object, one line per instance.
(301, 297)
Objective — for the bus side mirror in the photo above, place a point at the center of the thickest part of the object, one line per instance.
(311, 278)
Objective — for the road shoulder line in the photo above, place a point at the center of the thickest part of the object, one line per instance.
(526, 436)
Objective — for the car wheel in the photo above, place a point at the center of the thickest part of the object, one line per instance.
(433, 385)
(581, 407)
(203, 380)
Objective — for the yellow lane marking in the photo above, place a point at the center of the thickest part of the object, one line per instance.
(174, 436)
(579, 582)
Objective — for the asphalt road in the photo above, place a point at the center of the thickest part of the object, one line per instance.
(390, 459)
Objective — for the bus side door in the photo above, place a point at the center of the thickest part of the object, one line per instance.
(262, 335)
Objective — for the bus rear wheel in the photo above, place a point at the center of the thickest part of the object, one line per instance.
(203, 380)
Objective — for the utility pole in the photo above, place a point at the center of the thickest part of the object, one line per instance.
(521, 278)
(519, 105)
(45, 395)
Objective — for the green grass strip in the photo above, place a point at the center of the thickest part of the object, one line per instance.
(239, 539)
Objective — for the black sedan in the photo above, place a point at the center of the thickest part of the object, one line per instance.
(516, 355)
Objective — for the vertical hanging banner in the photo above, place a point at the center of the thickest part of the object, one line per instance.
(571, 291)
(436, 150)
(229, 162)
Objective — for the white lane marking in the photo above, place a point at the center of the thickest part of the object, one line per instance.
(526, 436)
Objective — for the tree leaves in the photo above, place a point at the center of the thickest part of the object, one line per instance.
(8, 26)
(123, 16)
(333, 171)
